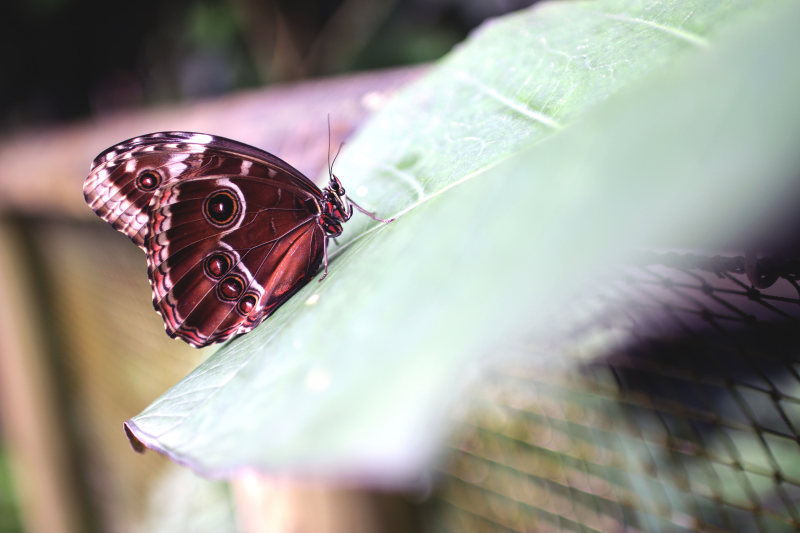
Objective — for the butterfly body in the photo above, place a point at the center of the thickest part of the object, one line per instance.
(230, 231)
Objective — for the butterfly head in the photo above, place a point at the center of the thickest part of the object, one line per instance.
(336, 208)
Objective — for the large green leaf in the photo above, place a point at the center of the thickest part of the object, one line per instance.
(530, 160)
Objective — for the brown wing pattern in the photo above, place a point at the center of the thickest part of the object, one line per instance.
(124, 178)
(230, 231)
(218, 273)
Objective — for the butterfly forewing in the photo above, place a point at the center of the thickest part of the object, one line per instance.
(120, 190)
(124, 178)
(230, 231)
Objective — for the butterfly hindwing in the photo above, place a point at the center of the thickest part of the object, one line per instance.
(225, 251)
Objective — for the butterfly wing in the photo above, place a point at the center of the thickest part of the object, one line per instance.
(216, 273)
(230, 231)
(124, 178)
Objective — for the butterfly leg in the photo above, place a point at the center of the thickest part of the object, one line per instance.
(368, 213)
(324, 257)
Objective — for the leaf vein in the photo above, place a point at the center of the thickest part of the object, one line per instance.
(404, 176)
(536, 116)
(692, 38)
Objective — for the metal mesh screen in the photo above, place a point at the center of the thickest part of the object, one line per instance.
(675, 408)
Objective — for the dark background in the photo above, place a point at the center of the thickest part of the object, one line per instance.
(66, 60)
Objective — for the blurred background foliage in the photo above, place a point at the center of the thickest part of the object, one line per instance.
(65, 60)
(9, 518)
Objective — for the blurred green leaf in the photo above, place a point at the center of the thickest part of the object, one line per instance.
(9, 512)
(529, 161)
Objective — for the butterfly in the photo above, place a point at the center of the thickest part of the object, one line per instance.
(230, 231)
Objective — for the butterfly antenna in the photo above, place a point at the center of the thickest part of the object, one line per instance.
(337, 155)
(330, 165)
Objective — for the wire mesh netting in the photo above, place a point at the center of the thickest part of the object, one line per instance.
(673, 408)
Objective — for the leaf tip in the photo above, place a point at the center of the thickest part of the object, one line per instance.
(137, 445)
